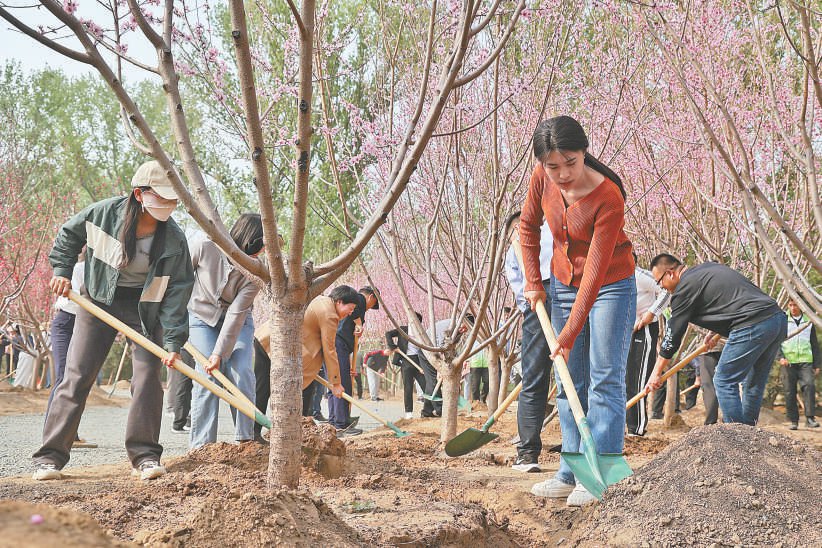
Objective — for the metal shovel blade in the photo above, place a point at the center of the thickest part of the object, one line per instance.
(468, 441)
(397, 430)
(593, 470)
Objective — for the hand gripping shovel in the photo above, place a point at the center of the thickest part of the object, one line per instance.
(593, 470)
(388, 424)
(217, 374)
(149, 345)
(472, 438)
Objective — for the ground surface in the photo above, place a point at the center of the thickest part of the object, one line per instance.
(720, 485)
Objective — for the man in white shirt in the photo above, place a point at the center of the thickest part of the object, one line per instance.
(651, 300)
(536, 365)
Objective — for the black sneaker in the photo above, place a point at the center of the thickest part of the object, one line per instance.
(526, 463)
(810, 422)
(794, 426)
(319, 418)
(349, 432)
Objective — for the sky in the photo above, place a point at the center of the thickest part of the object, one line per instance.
(34, 56)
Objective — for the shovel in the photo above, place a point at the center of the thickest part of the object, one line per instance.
(217, 374)
(472, 438)
(388, 424)
(672, 371)
(593, 470)
(149, 345)
(462, 403)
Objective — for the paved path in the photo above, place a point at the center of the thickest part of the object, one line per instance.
(105, 426)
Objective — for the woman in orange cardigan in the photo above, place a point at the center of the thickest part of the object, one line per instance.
(593, 293)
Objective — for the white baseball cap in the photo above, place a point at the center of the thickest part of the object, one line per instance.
(152, 174)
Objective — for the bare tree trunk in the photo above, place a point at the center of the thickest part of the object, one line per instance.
(450, 396)
(285, 404)
(493, 378)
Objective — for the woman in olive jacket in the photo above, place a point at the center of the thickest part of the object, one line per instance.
(139, 270)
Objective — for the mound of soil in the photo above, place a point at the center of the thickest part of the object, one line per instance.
(243, 456)
(43, 525)
(321, 450)
(284, 518)
(719, 485)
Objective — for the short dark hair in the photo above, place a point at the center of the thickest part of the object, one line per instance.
(247, 233)
(506, 309)
(345, 294)
(470, 318)
(666, 260)
(368, 290)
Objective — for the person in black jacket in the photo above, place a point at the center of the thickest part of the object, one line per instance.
(724, 301)
(398, 339)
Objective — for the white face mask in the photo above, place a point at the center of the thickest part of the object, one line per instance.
(157, 207)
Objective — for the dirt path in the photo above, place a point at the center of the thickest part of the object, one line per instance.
(407, 492)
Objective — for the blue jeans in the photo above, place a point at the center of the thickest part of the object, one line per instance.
(597, 366)
(239, 370)
(746, 360)
(62, 327)
(536, 371)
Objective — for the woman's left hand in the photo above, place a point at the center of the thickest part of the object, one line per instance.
(170, 358)
(561, 350)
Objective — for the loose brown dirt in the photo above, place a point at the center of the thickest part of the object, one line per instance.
(383, 490)
(45, 526)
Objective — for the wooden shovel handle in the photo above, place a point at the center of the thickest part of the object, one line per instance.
(409, 360)
(672, 371)
(507, 402)
(216, 373)
(149, 345)
(351, 400)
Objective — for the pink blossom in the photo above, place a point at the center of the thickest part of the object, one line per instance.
(70, 6)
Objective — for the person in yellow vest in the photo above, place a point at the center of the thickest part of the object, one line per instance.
(800, 357)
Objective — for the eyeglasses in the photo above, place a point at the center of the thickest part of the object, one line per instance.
(659, 281)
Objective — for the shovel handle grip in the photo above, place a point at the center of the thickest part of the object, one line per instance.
(673, 370)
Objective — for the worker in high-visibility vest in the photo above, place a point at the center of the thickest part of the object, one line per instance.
(800, 357)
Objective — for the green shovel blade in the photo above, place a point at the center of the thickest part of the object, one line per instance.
(397, 430)
(595, 471)
(262, 420)
(471, 439)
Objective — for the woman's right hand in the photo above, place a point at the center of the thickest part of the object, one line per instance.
(534, 297)
(337, 390)
(60, 286)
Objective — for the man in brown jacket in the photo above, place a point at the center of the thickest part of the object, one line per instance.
(318, 334)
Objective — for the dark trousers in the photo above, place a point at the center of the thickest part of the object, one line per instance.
(180, 390)
(62, 326)
(430, 408)
(479, 376)
(803, 374)
(262, 374)
(358, 382)
(658, 406)
(308, 399)
(707, 368)
(319, 392)
(409, 375)
(86, 354)
(690, 376)
(641, 360)
(339, 412)
(536, 375)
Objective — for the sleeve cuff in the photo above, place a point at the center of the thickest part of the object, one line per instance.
(63, 272)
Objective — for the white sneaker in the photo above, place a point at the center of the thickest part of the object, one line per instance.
(526, 464)
(552, 488)
(409, 415)
(46, 471)
(148, 470)
(580, 496)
